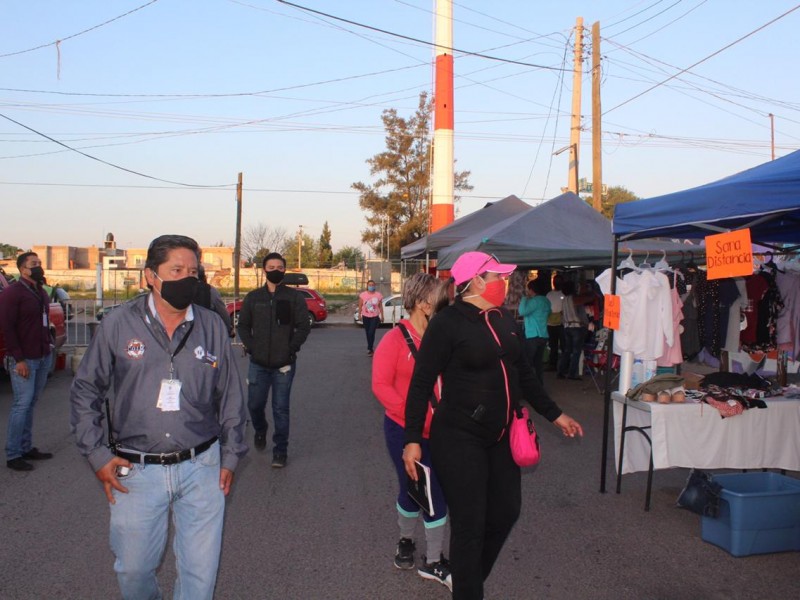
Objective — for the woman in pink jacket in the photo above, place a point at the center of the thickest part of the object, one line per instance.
(393, 365)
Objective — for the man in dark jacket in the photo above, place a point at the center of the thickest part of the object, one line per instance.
(273, 324)
(24, 319)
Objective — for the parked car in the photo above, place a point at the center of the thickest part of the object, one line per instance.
(58, 324)
(393, 311)
(315, 302)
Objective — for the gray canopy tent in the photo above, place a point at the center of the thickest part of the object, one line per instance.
(562, 232)
(465, 226)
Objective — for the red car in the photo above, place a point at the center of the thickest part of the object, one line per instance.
(317, 308)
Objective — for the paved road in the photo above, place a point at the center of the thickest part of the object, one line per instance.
(324, 527)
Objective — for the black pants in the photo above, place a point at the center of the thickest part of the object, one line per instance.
(554, 332)
(370, 326)
(482, 488)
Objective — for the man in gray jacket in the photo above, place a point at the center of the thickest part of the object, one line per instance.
(273, 324)
(176, 422)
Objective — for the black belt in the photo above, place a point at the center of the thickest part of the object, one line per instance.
(170, 458)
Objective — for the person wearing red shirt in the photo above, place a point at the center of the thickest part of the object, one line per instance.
(392, 368)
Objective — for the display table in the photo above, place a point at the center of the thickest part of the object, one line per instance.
(661, 436)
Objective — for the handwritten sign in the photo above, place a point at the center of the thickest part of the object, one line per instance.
(611, 311)
(729, 254)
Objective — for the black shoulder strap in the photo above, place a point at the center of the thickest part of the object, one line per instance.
(409, 339)
(410, 342)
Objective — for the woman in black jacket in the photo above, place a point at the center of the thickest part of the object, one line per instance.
(474, 345)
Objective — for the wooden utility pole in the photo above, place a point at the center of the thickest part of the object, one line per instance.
(237, 249)
(575, 129)
(300, 248)
(597, 165)
(772, 133)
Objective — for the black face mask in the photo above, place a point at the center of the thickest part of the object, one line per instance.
(178, 293)
(275, 276)
(37, 274)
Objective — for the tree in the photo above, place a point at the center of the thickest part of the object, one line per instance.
(309, 254)
(259, 240)
(615, 195)
(397, 202)
(9, 250)
(324, 247)
(349, 257)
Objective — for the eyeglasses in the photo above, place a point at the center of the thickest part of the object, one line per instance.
(491, 258)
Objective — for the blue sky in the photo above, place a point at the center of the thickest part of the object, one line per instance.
(197, 91)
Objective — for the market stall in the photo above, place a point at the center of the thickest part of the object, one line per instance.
(766, 201)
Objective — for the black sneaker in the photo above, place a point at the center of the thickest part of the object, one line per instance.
(19, 464)
(260, 440)
(404, 559)
(279, 461)
(437, 571)
(36, 454)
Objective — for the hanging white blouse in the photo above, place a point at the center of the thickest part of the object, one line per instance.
(645, 312)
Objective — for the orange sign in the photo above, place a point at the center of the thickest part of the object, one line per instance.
(611, 312)
(729, 254)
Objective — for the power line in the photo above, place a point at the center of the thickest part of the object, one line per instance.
(670, 78)
(74, 35)
(100, 160)
(417, 40)
(650, 18)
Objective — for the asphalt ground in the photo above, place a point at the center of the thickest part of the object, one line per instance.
(324, 527)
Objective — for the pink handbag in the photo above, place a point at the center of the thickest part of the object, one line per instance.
(523, 439)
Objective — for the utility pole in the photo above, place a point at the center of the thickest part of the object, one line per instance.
(597, 165)
(237, 249)
(575, 130)
(772, 133)
(300, 248)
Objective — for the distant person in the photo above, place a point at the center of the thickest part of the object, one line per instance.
(555, 328)
(207, 296)
(423, 295)
(576, 327)
(273, 325)
(473, 345)
(25, 322)
(370, 307)
(177, 420)
(535, 308)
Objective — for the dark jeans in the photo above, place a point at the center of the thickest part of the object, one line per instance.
(259, 382)
(534, 350)
(574, 338)
(395, 440)
(370, 326)
(555, 332)
(481, 484)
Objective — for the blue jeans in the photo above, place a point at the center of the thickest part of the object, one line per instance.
(259, 381)
(139, 527)
(370, 326)
(19, 438)
(574, 339)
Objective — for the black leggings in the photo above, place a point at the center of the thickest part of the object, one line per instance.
(481, 484)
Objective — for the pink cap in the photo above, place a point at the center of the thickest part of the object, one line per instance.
(470, 264)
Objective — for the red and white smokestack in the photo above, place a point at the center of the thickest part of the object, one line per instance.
(443, 174)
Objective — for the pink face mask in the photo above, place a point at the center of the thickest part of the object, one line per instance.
(495, 292)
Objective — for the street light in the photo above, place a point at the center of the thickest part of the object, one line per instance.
(572, 179)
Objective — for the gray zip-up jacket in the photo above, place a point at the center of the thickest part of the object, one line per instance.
(128, 359)
(272, 327)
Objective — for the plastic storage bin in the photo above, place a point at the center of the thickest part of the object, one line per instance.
(759, 513)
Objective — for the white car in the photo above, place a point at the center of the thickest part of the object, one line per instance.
(393, 311)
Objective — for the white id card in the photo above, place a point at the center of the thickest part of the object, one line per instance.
(44, 320)
(169, 397)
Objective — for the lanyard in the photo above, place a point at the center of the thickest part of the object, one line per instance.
(38, 294)
(150, 319)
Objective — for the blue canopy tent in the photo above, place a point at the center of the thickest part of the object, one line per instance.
(765, 199)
